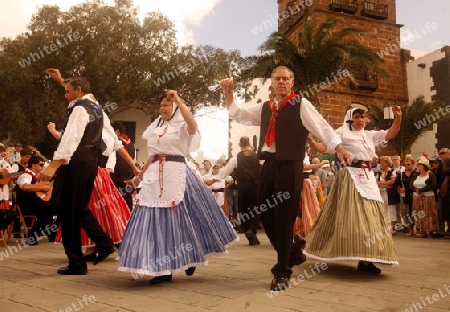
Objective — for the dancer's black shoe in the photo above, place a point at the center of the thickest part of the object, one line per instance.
(72, 271)
(190, 271)
(103, 254)
(279, 284)
(160, 279)
(369, 267)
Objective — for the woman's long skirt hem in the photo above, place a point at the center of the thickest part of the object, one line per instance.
(353, 258)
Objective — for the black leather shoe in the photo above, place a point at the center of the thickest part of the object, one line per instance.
(190, 271)
(160, 279)
(370, 267)
(92, 256)
(299, 242)
(297, 259)
(72, 271)
(103, 254)
(279, 284)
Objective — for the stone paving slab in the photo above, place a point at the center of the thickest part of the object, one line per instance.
(235, 282)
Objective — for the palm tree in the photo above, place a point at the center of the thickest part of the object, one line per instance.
(317, 57)
(416, 119)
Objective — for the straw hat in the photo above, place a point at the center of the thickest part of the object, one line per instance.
(424, 161)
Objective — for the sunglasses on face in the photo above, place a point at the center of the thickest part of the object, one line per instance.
(42, 165)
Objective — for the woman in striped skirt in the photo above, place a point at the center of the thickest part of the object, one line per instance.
(351, 224)
(177, 221)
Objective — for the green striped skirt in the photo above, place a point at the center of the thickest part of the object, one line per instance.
(350, 227)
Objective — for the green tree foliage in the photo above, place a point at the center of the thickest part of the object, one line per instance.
(126, 61)
(319, 54)
(414, 122)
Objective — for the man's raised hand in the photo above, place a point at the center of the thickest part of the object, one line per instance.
(227, 86)
(55, 74)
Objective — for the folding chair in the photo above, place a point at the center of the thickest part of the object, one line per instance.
(6, 219)
(24, 228)
(7, 216)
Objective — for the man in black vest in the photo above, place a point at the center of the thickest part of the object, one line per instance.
(246, 172)
(76, 160)
(285, 121)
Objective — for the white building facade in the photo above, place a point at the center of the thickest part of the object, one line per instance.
(423, 80)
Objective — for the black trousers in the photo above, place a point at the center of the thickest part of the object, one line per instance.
(247, 201)
(279, 190)
(77, 185)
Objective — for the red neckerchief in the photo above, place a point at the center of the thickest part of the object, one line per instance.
(270, 135)
(124, 138)
(32, 174)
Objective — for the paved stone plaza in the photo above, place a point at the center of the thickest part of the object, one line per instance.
(236, 282)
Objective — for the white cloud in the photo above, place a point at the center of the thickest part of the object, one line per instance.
(181, 12)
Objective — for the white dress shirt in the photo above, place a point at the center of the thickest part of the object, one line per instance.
(310, 117)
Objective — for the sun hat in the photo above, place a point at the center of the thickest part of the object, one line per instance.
(424, 161)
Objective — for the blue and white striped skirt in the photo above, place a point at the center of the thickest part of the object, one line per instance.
(161, 241)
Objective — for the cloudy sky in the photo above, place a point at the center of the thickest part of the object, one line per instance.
(238, 24)
(241, 25)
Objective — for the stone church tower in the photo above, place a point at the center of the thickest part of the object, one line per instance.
(377, 18)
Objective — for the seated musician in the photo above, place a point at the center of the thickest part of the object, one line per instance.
(31, 199)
